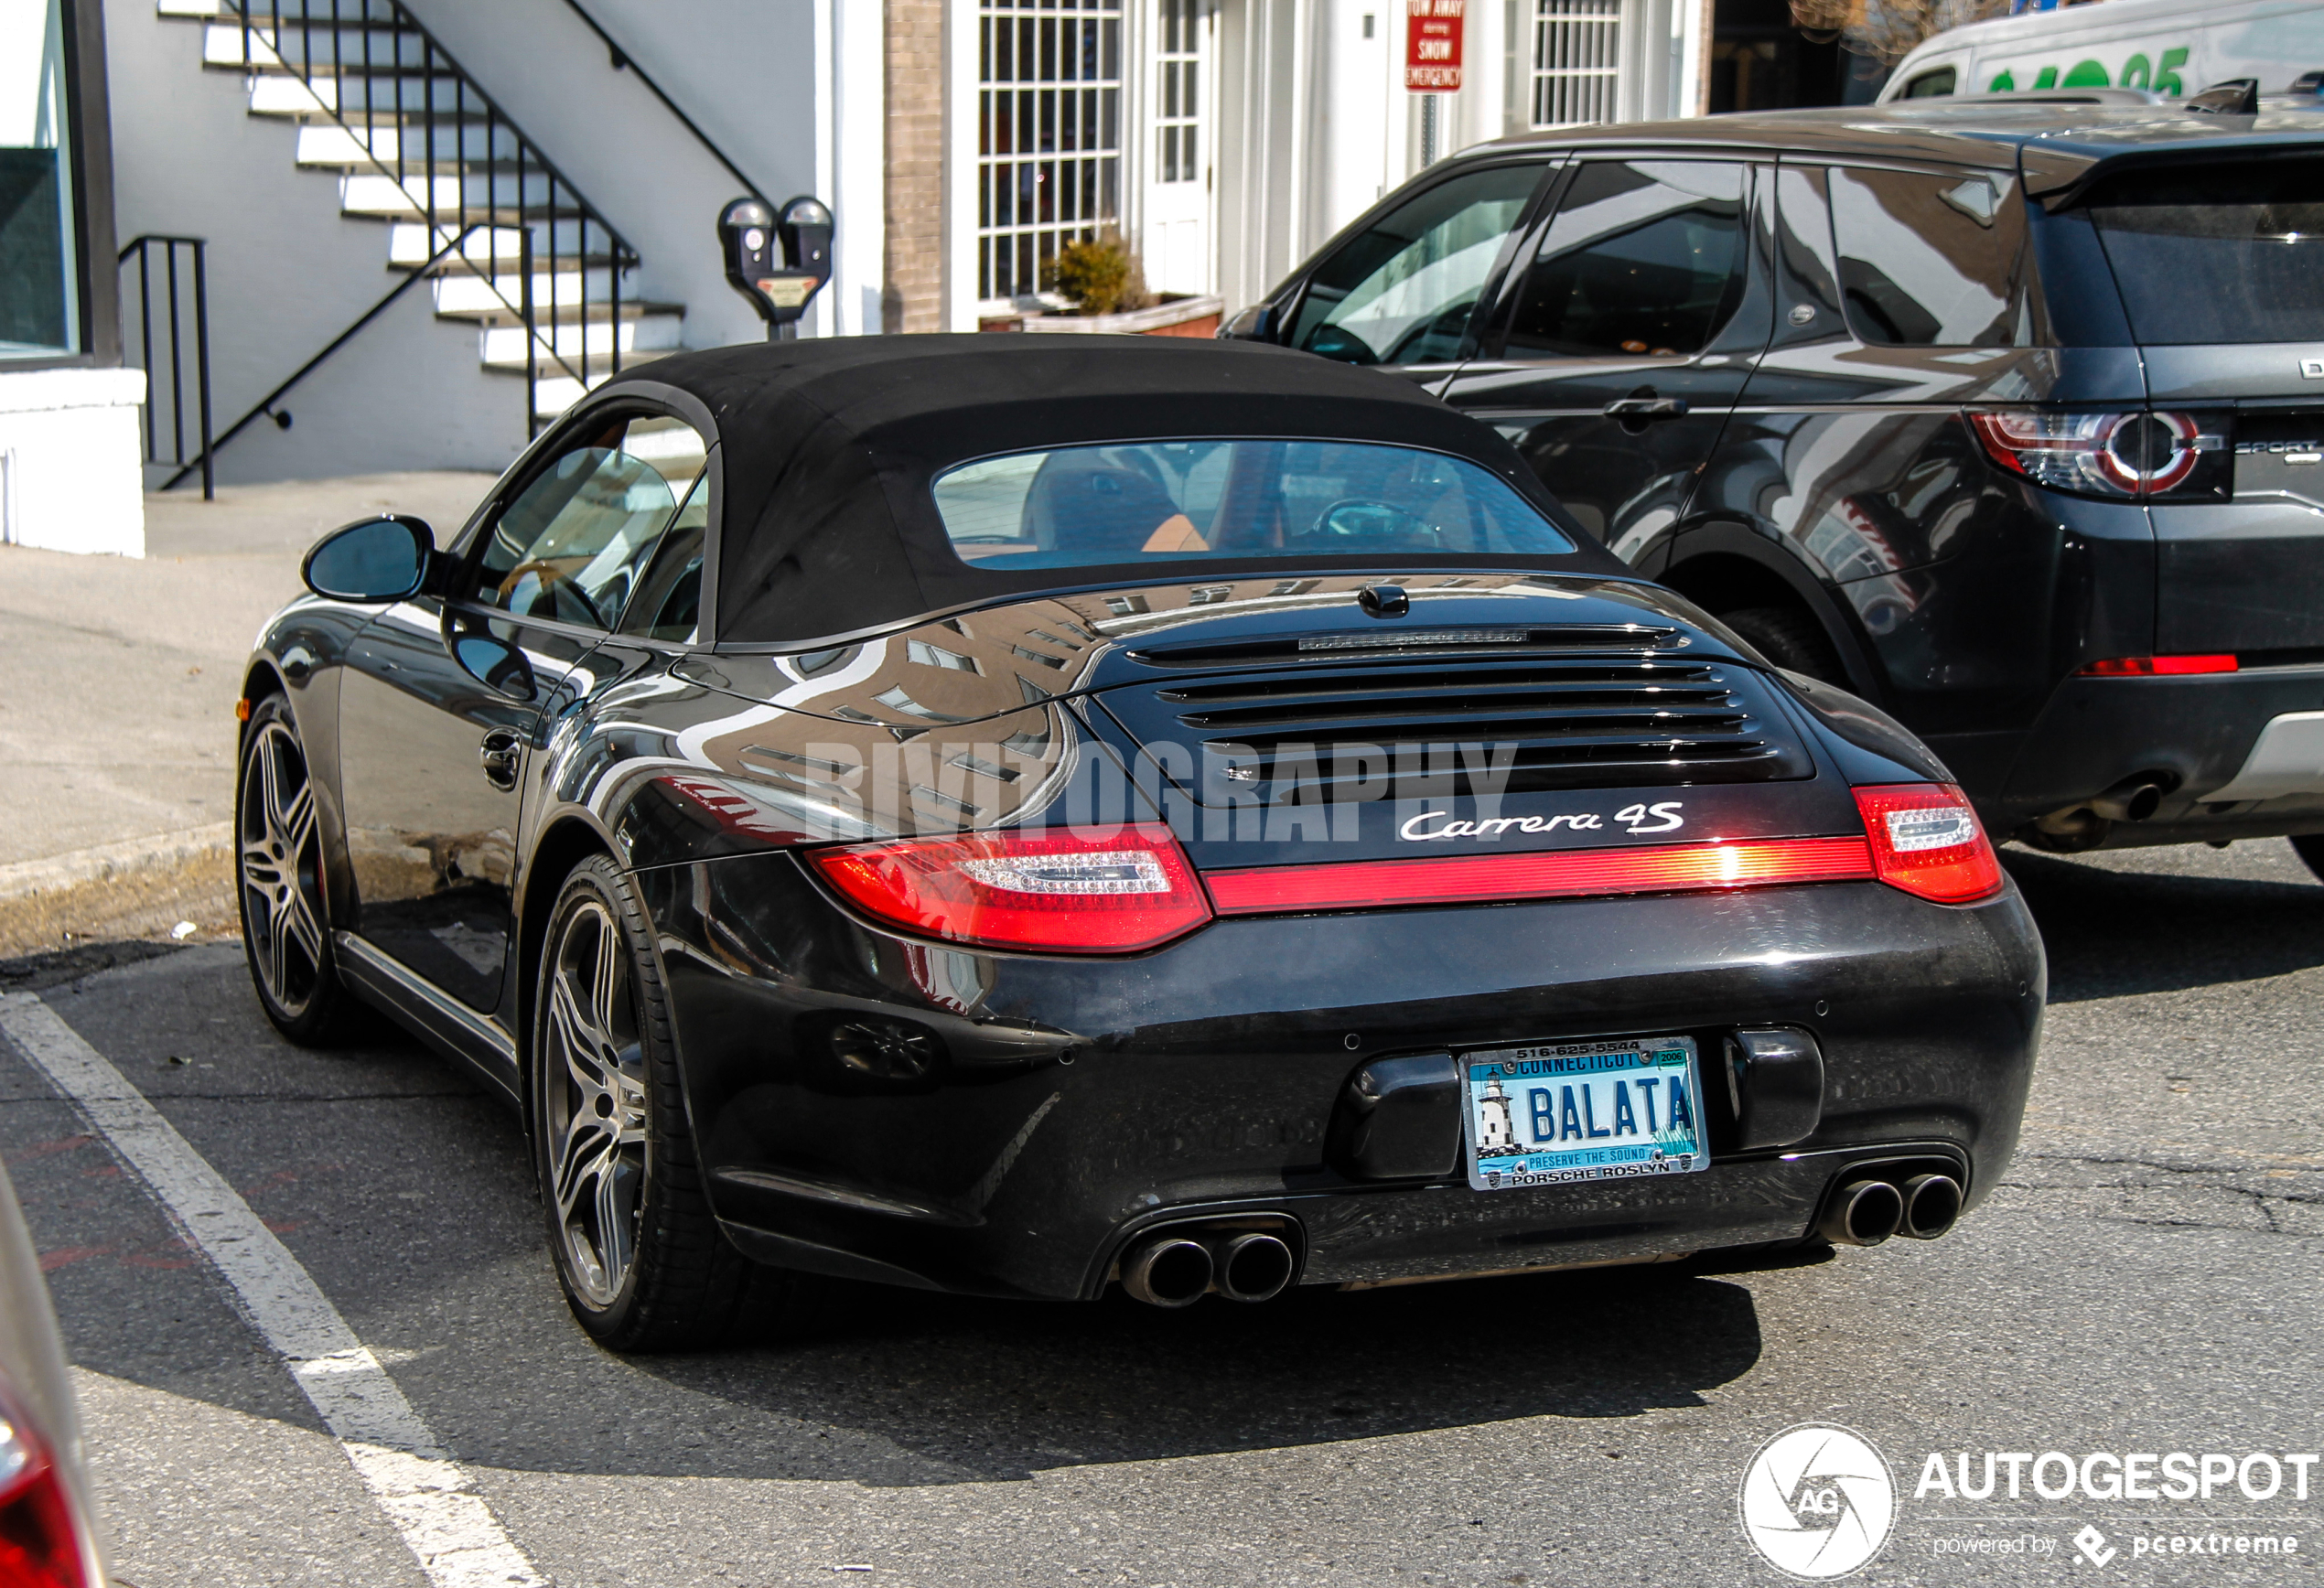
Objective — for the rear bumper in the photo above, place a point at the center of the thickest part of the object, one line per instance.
(2199, 732)
(1077, 1102)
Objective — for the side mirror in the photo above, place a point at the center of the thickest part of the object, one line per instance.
(1255, 324)
(372, 561)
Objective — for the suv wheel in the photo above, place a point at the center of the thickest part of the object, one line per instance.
(1789, 639)
(642, 1261)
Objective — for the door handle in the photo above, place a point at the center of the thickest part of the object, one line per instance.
(500, 753)
(1647, 408)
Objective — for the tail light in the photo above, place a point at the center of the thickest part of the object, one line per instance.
(1035, 889)
(2158, 666)
(1927, 840)
(2109, 455)
(39, 1544)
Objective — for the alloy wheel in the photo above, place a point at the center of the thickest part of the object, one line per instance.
(281, 869)
(595, 1067)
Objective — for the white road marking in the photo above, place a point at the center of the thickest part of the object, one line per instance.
(430, 1496)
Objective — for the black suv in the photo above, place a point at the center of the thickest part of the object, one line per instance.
(2009, 419)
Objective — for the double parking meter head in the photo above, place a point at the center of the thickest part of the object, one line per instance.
(776, 262)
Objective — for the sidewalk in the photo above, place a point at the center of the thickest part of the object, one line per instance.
(117, 737)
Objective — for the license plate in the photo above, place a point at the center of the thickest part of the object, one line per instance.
(1584, 1111)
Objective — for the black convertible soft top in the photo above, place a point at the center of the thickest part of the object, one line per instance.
(829, 448)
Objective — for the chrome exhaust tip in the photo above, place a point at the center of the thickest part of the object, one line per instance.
(1171, 1273)
(1932, 1206)
(1862, 1213)
(1254, 1268)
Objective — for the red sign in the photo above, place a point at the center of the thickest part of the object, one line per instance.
(1432, 45)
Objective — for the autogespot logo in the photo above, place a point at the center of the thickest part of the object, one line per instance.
(1817, 1501)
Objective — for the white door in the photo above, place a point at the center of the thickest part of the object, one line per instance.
(1179, 156)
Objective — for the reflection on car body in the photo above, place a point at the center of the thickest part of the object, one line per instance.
(1106, 818)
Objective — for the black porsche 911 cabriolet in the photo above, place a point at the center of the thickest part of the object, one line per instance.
(994, 816)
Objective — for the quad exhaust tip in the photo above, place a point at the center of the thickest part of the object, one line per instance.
(1866, 1212)
(1932, 1206)
(1178, 1267)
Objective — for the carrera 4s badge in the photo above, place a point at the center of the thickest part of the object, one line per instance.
(1636, 818)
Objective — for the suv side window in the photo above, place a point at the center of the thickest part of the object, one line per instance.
(570, 545)
(1645, 257)
(1930, 259)
(1402, 290)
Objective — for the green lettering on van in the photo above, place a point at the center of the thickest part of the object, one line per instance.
(2088, 74)
(2166, 73)
(2046, 78)
(2136, 70)
(2003, 82)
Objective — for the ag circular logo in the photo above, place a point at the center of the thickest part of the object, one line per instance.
(1817, 1501)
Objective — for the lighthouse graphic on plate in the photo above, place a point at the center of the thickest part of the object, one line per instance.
(1496, 1134)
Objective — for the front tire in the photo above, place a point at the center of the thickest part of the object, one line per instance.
(643, 1263)
(278, 871)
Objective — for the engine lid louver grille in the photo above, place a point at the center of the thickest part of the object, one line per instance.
(1541, 723)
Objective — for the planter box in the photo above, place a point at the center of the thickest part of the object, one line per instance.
(1191, 316)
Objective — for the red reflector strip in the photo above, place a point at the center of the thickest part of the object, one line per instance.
(2157, 666)
(1566, 873)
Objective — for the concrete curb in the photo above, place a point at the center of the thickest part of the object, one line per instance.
(139, 888)
(107, 862)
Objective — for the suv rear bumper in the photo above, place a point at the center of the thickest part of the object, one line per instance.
(2197, 734)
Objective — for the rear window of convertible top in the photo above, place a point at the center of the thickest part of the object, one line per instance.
(1182, 502)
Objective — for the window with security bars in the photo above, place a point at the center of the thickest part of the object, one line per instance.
(1049, 155)
(1577, 57)
(1180, 57)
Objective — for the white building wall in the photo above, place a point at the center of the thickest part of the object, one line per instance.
(70, 440)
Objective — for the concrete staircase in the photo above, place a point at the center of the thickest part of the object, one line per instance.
(461, 192)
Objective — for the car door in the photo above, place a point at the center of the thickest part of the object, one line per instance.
(1626, 340)
(447, 699)
(1402, 290)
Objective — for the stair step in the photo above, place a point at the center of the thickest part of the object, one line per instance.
(553, 394)
(356, 147)
(454, 200)
(503, 347)
(566, 294)
(412, 243)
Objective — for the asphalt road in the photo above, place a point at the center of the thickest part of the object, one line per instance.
(2146, 1280)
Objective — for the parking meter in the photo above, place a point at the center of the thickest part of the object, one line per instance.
(752, 238)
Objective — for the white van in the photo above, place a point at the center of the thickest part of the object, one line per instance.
(2173, 48)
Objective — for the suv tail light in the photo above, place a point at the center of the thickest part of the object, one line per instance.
(1054, 890)
(1927, 840)
(2109, 455)
(39, 1544)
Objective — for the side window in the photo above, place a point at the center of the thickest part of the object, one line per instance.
(572, 542)
(1930, 259)
(1402, 292)
(1645, 258)
(1931, 84)
(667, 603)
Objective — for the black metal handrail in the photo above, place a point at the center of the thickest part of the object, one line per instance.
(265, 406)
(622, 60)
(174, 287)
(310, 40)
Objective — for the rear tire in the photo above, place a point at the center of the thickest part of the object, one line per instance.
(642, 1260)
(1789, 639)
(278, 873)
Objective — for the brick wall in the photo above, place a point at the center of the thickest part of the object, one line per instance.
(912, 293)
